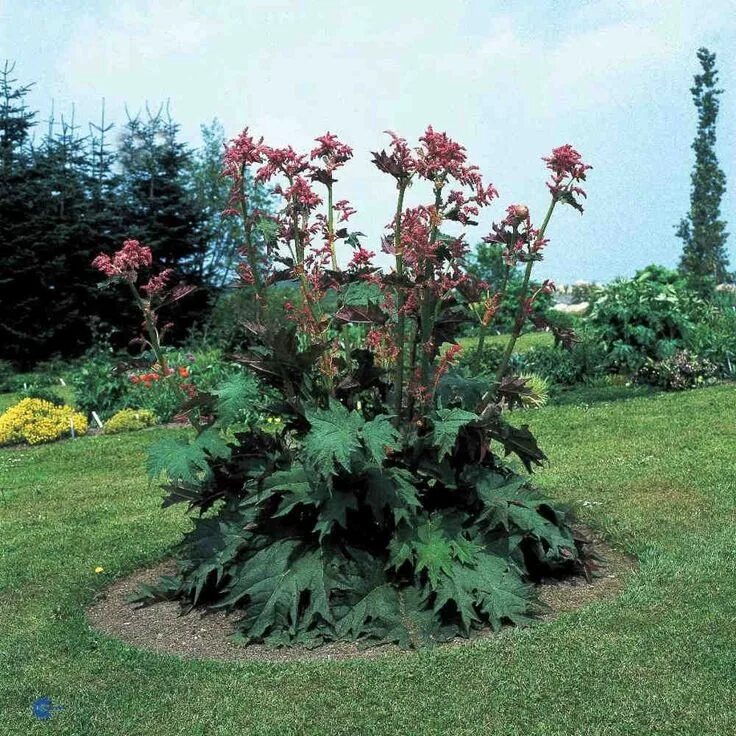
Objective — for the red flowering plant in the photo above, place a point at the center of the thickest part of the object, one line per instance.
(381, 507)
(125, 266)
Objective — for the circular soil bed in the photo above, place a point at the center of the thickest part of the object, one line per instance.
(163, 628)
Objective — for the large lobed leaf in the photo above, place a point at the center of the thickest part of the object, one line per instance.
(447, 424)
(333, 438)
(185, 461)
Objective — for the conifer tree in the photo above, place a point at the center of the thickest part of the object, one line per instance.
(19, 197)
(65, 242)
(157, 205)
(115, 319)
(50, 299)
(704, 259)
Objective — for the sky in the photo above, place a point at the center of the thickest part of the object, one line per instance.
(508, 79)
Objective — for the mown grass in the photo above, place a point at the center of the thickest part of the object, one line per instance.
(654, 474)
(66, 393)
(525, 342)
(582, 394)
(8, 400)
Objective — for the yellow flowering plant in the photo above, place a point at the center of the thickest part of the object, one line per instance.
(129, 420)
(35, 421)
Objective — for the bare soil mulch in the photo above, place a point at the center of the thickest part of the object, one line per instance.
(163, 628)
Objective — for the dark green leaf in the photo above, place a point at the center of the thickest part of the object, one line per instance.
(446, 425)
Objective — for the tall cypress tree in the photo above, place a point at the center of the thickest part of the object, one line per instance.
(704, 259)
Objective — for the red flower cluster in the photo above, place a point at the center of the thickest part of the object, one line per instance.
(246, 274)
(281, 160)
(242, 151)
(419, 249)
(301, 193)
(490, 306)
(156, 374)
(441, 156)
(344, 209)
(156, 284)
(147, 379)
(567, 167)
(521, 241)
(332, 152)
(361, 259)
(126, 262)
(399, 163)
(380, 342)
(446, 361)
(548, 287)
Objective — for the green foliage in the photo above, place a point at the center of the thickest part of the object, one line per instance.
(102, 383)
(488, 361)
(583, 291)
(539, 388)
(237, 397)
(646, 317)
(161, 398)
(584, 361)
(379, 438)
(99, 385)
(185, 461)
(487, 263)
(66, 195)
(337, 526)
(385, 613)
(678, 372)
(48, 233)
(333, 438)
(7, 376)
(45, 394)
(713, 336)
(337, 435)
(446, 425)
(235, 307)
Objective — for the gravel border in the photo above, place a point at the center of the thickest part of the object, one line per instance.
(163, 628)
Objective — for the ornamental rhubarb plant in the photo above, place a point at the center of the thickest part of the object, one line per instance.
(381, 506)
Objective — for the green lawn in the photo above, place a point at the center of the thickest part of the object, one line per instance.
(655, 474)
(63, 392)
(8, 400)
(525, 342)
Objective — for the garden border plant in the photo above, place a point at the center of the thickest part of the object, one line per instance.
(380, 507)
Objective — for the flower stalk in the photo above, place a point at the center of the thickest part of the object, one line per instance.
(522, 313)
(400, 306)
